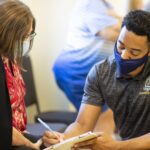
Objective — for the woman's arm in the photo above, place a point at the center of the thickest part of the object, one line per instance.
(19, 140)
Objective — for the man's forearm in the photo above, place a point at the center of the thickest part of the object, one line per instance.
(83, 123)
(140, 143)
(74, 129)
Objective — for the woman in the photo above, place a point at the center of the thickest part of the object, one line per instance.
(17, 30)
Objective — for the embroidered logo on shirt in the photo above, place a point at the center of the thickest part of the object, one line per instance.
(146, 88)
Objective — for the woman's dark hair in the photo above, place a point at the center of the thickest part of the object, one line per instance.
(138, 21)
(16, 20)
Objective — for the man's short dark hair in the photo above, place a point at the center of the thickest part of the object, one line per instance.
(138, 21)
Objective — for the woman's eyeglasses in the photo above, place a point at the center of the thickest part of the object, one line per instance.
(31, 36)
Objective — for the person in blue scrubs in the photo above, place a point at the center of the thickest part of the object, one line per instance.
(91, 37)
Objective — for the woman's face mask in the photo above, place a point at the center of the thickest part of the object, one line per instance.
(26, 44)
(26, 47)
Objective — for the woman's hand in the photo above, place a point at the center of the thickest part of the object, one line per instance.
(19, 140)
(102, 142)
(51, 138)
(36, 145)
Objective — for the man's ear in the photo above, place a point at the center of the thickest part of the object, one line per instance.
(149, 54)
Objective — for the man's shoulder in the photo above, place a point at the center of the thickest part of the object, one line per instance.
(106, 64)
(104, 69)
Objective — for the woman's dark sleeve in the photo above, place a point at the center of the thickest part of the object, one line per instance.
(5, 112)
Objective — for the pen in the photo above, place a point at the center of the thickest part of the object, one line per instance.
(47, 127)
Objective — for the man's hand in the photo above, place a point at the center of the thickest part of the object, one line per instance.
(49, 138)
(102, 142)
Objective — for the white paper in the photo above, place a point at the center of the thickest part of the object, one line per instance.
(68, 144)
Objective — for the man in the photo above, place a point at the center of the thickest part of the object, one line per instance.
(123, 82)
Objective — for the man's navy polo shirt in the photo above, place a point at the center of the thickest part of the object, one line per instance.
(129, 98)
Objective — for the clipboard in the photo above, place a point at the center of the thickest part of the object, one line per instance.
(68, 144)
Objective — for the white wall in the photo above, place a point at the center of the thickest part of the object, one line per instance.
(52, 21)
